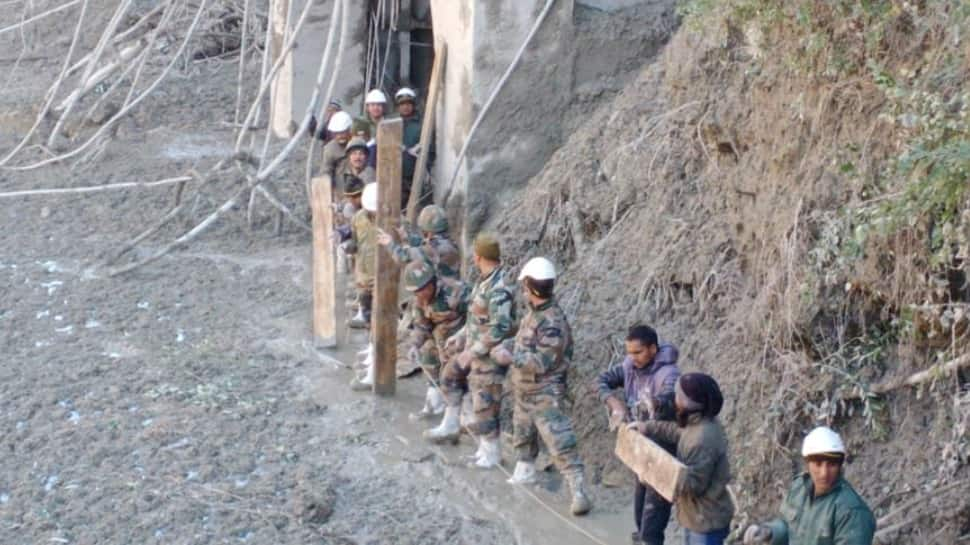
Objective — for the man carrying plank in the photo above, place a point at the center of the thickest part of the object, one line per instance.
(704, 505)
(647, 377)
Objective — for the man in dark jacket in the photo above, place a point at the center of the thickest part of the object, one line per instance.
(647, 376)
(704, 505)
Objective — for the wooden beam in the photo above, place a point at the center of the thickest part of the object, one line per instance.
(652, 464)
(427, 128)
(324, 295)
(385, 315)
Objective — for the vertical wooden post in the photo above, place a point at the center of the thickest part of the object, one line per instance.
(324, 296)
(427, 127)
(385, 315)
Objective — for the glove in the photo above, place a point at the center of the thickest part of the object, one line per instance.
(757, 534)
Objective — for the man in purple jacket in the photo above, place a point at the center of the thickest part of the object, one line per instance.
(647, 376)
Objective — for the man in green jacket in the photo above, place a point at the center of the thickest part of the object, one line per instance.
(821, 507)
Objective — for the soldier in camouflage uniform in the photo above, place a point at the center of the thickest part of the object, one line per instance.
(355, 165)
(437, 312)
(433, 244)
(491, 321)
(361, 245)
(540, 363)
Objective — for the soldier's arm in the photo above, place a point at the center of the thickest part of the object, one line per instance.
(538, 357)
(665, 398)
(854, 526)
(501, 324)
(421, 326)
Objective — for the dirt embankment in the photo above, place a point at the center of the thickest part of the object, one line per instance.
(720, 198)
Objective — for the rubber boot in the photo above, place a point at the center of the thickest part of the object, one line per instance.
(359, 321)
(473, 458)
(360, 384)
(525, 473)
(434, 405)
(491, 451)
(467, 412)
(581, 504)
(448, 430)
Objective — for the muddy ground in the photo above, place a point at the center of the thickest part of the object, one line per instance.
(184, 403)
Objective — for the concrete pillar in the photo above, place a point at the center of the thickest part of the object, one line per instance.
(523, 126)
(293, 87)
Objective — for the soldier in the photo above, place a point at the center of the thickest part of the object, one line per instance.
(362, 246)
(323, 134)
(335, 150)
(540, 363)
(345, 216)
(433, 245)
(438, 311)
(647, 376)
(704, 506)
(355, 164)
(822, 507)
(491, 321)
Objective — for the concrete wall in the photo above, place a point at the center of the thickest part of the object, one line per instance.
(294, 85)
(522, 128)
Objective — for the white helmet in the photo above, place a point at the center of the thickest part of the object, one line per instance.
(369, 197)
(340, 122)
(822, 440)
(538, 268)
(405, 93)
(376, 96)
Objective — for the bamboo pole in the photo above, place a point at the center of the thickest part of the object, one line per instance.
(385, 315)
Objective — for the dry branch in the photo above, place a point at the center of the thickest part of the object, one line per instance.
(93, 188)
(39, 16)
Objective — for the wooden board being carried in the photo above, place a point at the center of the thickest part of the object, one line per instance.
(652, 464)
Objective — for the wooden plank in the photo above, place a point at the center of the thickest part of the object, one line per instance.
(652, 464)
(385, 315)
(324, 293)
(427, 128)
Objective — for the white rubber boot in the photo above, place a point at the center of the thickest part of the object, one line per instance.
(366, 382)
(491, 453)
(358, 321)
(434, 405)
(580, 504)
(525, 473)
(448, 430)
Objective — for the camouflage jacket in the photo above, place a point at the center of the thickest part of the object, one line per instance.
(491, 316)
(364, 246)
(333, 157)
(444, 316)
(437, 249)
(367, 175)
(543, 350)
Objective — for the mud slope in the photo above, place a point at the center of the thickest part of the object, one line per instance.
(707, 200)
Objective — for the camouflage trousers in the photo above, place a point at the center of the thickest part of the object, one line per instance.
(540, 415)
(483, 381)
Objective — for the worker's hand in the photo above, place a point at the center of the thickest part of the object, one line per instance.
(465, 360)
(383, 238)
(501, 354)
(639, 427)
(414, 150)
(455, 343)
(617, 412)
(757, 534)
(402, 232)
